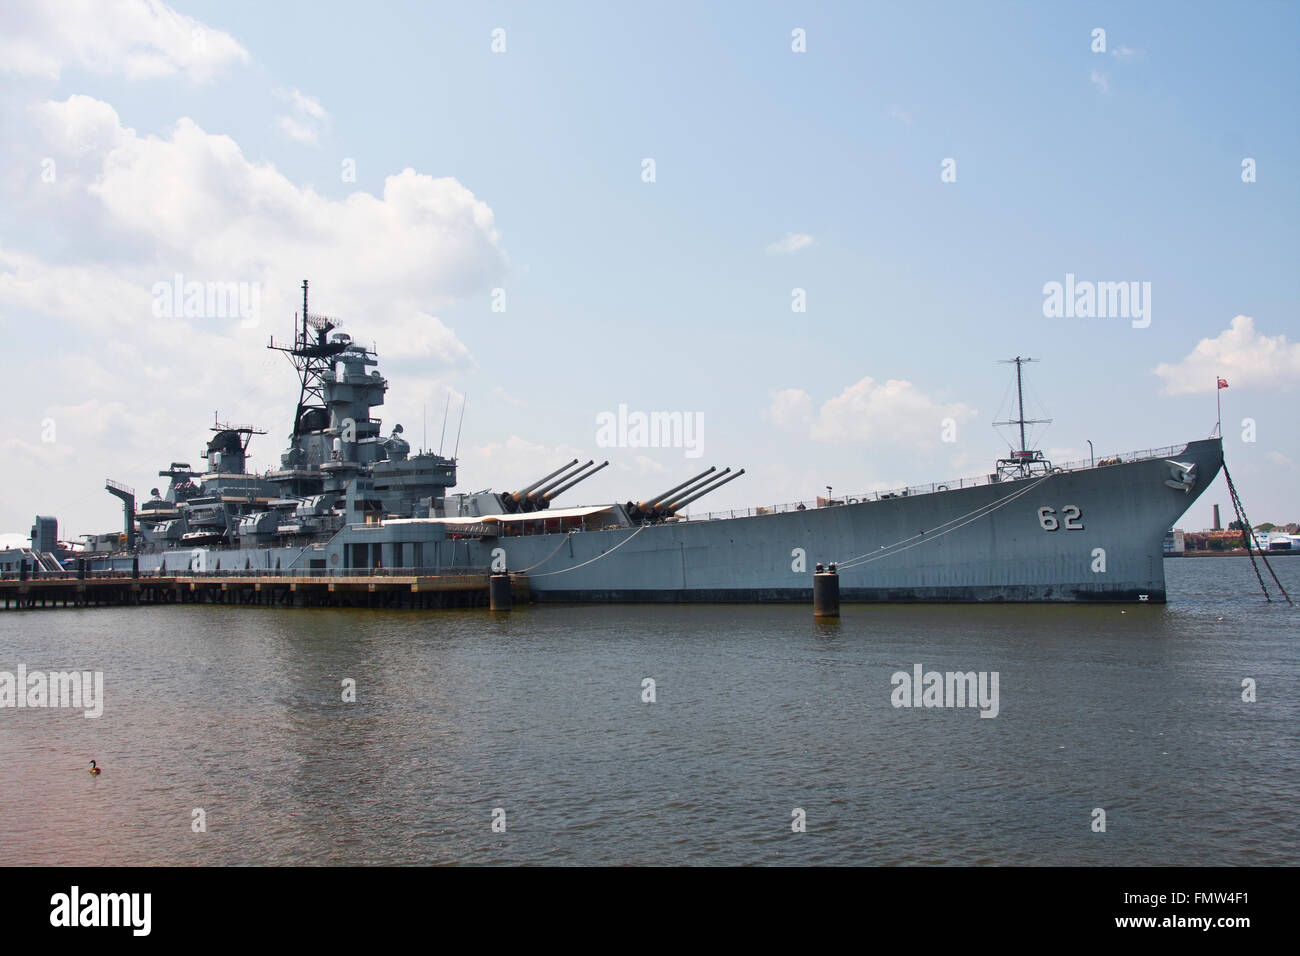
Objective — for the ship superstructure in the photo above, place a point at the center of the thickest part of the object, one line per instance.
(337, 459)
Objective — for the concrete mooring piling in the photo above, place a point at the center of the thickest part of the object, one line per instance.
(499, 592)
(826, 592)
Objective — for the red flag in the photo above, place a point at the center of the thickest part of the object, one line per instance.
(1223, 383)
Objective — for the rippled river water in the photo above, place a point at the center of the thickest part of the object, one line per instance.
(758, 710)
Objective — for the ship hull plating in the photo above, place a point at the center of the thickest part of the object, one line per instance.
(1088, 535)
(989, 543)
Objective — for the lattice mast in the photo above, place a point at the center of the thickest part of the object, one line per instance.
(310, 358)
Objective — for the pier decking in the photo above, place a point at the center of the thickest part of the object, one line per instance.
(355, 589)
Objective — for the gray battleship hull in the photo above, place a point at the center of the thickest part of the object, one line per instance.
(994, 542)
(986, 543)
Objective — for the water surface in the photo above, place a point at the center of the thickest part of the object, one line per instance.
(759, 710)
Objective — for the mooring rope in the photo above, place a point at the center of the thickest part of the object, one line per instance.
(549, 556)
(603, 554)
(887, 551)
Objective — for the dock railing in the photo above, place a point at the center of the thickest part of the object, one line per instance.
(254, 573)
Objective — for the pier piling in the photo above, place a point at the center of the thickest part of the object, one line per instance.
(499, 597)
(826, 592)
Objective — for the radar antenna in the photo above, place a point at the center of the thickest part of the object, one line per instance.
(312, 354)
(246, 432)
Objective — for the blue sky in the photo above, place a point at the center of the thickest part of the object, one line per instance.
(1116, 166)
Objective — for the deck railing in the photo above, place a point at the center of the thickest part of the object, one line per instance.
(937, 486)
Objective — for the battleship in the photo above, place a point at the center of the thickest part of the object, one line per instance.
(347, 499)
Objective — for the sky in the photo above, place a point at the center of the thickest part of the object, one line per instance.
(815, 229)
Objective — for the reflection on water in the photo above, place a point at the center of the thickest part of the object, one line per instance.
(758, 710)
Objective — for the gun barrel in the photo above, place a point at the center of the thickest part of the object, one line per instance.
(541, 492)
(519, 495)
(649, 503)
(665, 503)
(678, 505)
(582, 477)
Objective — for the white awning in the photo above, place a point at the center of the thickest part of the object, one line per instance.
(526, 516)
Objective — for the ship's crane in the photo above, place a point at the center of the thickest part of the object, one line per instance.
(127, 495)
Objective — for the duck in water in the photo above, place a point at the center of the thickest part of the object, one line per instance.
(94, 771)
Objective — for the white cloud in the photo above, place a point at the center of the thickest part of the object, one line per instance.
(210, 214)
(306, 105)
(138, 39)
(1100, 80)
(80, 124)
(1239, 354)
(870, 413)
(790, 406)
(792, 243)
(307, 120)
(1124, 53)
(136, 390)
(93, 295)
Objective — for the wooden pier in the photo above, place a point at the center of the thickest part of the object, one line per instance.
(269, 590)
